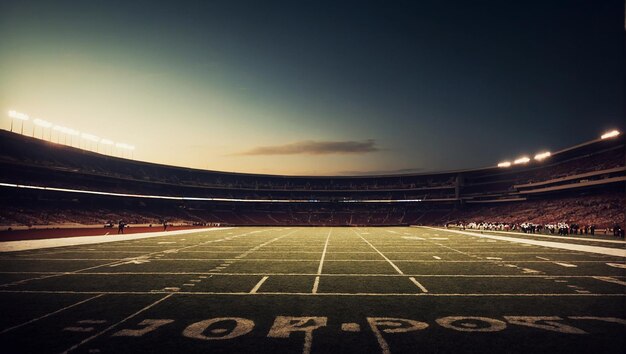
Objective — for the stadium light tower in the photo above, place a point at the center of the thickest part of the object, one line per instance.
(107, 142)
(19, 116)
(44, 124)
(542, 155)
(92, 138)
(505, 164)
(611, 134)
(521, 160)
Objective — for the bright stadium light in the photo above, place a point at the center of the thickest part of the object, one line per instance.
(42, 123)
(124, 146)
(18, 115)
(72, 132)
(90, 137)
(542, 155)
(611, 134)
(504, 164)
(521, 160)
(106, 142)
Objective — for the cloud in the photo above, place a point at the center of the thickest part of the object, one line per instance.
(311, 147)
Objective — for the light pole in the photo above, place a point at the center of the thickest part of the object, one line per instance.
(19, 116)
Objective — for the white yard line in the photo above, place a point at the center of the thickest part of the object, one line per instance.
(560, 245)
(422, 288)
(611, 280)
(319, 269)
(380, 253)
(258, 285)
(299, 294)
(117, 324)
(328, 275)
(49, 314)
(316, 285)
(12, 246)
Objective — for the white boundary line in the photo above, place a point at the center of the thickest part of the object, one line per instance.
(571, 238)
(327, 274)
(12, 246)
(564, 246)
(117, 324)
(261, 260)
(50, 314)
(305, 294)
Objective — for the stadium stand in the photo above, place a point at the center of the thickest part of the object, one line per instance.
(583, 185)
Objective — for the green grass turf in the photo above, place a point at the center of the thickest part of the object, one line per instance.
(81, 296)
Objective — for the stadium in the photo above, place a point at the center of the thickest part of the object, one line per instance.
(237, 176)
(438, 261)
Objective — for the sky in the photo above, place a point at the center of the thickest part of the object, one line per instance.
(319, 87)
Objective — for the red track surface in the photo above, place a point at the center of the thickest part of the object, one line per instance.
(38, 234)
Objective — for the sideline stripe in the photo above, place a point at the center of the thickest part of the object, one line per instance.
(306, 294)
(117, 324)
(327, 275)
(572, 238)
(258, 285)
(50, 314)
(12, 246)
(565, 246)
(260, 260)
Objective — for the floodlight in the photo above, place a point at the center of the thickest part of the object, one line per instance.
(18, 115)
(124, 146)
(611, 134)
(542, 155)
(504, 164)
(69, 131)
(106, 142)
(42, 123)
(521, 160)
(90, 137)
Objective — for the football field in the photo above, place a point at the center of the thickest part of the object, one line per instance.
(317, 290)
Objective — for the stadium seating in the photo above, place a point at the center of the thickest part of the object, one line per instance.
(584, 184)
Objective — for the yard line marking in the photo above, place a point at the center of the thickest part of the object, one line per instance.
(544, 258)
(380, 253)
(117, 324)
(316, 284)
(50, 314)
(311, 294)
(258, 285)
(422, 288)
(436, 257)
(128, 259)
(319, 269)
(567, 265)
(326, 275)
(616, 265)
(611, 280)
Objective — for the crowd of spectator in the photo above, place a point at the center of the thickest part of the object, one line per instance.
(560, 228)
